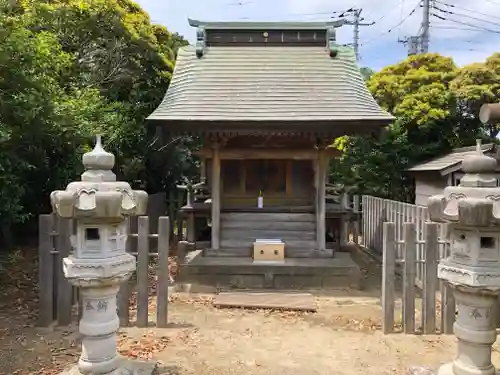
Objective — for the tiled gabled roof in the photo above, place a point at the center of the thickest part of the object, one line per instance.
(268, 83)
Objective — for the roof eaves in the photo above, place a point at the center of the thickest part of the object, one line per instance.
(484, 147)
(451, 168)
(443, 169)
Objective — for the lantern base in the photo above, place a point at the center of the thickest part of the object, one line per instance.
(449, 369)
(446, 369)
(127, 367)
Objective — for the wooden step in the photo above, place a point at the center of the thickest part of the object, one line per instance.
(248, 244)
(268, 225)
(241, 252)
(252, 234)
(266, 216)
(290, 252)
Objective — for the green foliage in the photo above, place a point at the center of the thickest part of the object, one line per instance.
(70, 69)
(435, 105)
(475, 85)
(416, 89)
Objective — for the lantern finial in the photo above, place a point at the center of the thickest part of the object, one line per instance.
(98, 163)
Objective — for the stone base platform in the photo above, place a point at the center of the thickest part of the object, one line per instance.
(127, 367)
(295, 273)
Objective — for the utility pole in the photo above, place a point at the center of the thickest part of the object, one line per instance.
(420, 43)
(424, 36)
(413, 43)
(356, 22)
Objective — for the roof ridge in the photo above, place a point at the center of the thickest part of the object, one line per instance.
(246, 24)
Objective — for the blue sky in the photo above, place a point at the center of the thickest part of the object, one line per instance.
(458, 36)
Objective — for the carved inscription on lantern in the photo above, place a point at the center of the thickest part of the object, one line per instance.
(473, 316)
(99, 306)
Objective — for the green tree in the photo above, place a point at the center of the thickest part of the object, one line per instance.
(41, 125)
(70, 69)
(117, 51)
(474, 85)
(417, 91)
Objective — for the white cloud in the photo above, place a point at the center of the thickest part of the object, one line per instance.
(447, 37)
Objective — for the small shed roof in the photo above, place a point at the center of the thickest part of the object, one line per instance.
(450, 162)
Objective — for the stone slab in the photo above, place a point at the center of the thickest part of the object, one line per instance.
(276, 300)
(127, 367)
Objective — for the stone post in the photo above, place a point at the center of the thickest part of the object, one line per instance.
(99, 264)
(473, 268)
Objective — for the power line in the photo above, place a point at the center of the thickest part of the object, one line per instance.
(239, 3)
(443, 27)
(400, 4)
(466, 16)
(331, 14)
(393, 27)
(465, 24)
(467, 10)
(317, 13)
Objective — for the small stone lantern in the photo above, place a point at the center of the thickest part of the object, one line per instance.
(473, 268)
(99, 263)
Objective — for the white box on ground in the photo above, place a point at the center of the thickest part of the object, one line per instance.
(268, 251)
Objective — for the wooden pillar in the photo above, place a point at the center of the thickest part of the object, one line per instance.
(320, 178)
(215, 194)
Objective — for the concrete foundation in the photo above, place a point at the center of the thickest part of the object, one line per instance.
(295, 273)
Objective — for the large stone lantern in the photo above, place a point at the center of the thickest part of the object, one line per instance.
(99, 263)
(473, 268)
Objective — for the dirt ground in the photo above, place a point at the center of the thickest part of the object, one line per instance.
(343, 337)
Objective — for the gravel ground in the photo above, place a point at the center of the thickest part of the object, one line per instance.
(343, 337)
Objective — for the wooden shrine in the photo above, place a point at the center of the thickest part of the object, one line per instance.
(267, 99)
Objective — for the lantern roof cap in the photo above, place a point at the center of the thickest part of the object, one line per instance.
(479, 162)
(98, 194)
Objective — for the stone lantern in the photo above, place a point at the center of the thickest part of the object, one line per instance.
(473, 267)
(98, 263)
